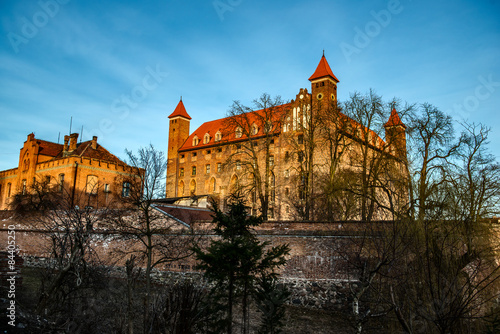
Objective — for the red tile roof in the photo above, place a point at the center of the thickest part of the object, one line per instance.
(84, 149)
(49, 149)
(323, 70)
(180, 110)
(227, 128)
(394, 120)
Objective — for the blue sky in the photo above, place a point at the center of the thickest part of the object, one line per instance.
(119, 67)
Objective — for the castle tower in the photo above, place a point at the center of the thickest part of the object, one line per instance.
(177, 134)
(323, 85)
(395, 135)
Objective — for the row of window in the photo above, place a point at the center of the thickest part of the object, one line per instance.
(206, 138)
(238, 133)
(207, 169)
(91, 188)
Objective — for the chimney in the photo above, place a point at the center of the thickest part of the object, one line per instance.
(66, 140)
(73, 140)
(94, 142)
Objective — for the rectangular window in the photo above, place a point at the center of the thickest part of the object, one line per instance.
(300, 157)
(24, 187)
(219, 167)
(107, 188)
(47, 179)
(207, 169)
(126, 189)
(181, 172)
(271, 161)
(193, 171)
(61, 182)
(238, 165)
(300, 139)
(92, 184)
(194, 154)
(9, 186)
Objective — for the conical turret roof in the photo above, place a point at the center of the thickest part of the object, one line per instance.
(323, 70)
(394, 120)
(180, 111)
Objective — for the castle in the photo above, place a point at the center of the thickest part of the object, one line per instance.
(85, 173)
(277, 152)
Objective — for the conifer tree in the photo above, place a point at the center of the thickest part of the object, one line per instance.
(235, 260)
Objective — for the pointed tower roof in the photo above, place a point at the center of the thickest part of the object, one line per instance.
(180, 110)
(323, 70)
(394, 120)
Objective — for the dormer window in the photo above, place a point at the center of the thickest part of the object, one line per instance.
(255, 129)
(238, 132)
(206, 138)
(196, 140)
(218, 136)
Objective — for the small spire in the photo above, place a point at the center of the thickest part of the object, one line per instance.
(323, 52)
(181, 97)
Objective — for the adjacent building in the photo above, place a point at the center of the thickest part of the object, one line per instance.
(85, 173)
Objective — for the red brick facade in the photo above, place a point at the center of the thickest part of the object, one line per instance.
(76, 169)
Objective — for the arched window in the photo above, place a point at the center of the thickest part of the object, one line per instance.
(196, 140)
(206, 138)
(234, 183)
(192, 187)
(212, 185)
(181, 188)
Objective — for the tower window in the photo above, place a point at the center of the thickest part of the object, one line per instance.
(181, 172)
(207, 169)
(219, 167)
(193, 170)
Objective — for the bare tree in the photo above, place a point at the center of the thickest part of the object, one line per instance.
(432, 135)
(157, 240)
(254, 131)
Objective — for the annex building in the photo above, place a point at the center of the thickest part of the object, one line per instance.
(289, 154)
(85, 173)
